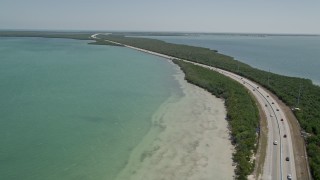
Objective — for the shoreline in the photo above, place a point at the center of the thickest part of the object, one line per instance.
(188, 139)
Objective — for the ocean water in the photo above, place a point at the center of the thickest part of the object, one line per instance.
(297, 56)
(69, 110)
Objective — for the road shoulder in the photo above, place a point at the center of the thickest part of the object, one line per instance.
(298, 143)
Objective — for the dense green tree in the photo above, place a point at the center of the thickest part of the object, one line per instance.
(286, 88)
(242, 112)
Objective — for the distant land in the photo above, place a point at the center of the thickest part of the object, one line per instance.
(284, 87)
(21, 33)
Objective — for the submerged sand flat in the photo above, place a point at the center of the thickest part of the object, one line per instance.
(188, 140)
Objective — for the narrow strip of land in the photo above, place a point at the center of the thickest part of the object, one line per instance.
(279, 145)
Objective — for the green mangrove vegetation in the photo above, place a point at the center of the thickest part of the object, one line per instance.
(242, 113)
(47, 34)
(295, 92)
(102, 42)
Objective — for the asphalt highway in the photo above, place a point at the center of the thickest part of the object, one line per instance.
(276, 166)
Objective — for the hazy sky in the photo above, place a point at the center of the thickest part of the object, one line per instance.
(259, 16)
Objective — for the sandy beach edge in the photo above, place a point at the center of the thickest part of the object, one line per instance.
(189, 139)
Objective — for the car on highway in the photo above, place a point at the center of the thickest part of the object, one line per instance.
(285, 136)
(289, 176)
(272, 103)
(267, 95)
(277, 109)
(287, 158)
(275, 142)
(266, 105)
(281, 119)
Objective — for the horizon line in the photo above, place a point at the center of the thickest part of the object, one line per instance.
(153, 31)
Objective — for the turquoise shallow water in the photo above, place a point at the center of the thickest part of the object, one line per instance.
(288, 55)
(69, 110)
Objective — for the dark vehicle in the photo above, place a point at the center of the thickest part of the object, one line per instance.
(277, 109)
(272, 103)
(285, 136)
(266, 105)
(287, 159)
(281, 119)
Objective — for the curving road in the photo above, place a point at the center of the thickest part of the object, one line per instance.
(276, 166)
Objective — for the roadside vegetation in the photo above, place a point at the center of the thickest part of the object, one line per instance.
(102, 42)
(242, 113)
(288, 89)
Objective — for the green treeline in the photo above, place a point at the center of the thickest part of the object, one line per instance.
(286, 88)
(102, 42)
(49, 34)
(242, 113)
